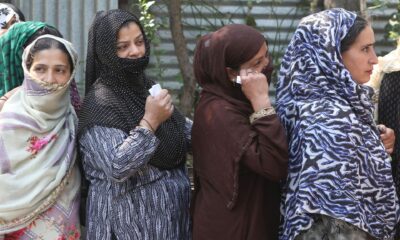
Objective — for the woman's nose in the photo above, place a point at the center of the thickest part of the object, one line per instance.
(50, 77)
(373, 59)
(133, 51)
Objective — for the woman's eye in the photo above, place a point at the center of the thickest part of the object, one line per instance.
(366, 49)
(38, 69)
(140, 42)
(121, 47)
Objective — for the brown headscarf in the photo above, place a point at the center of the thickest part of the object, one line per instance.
(221, 135)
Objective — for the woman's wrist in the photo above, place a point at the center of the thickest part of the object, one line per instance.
(146, 124)
(261, 103)
(261, 113)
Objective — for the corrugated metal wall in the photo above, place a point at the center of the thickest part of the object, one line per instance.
(71, 17)
(276, 19)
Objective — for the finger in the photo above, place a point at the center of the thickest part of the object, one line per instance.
(389, 150)
(382, 128)
(149, 99)
(166, 101)
(251, 71)
(384, 137)
(243, 73)
(388, 145)
(162, 94)
(168, 98)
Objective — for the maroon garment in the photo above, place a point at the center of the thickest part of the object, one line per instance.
(237, 165)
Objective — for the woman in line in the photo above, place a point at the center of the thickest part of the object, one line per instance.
(39, 180)
(12, 44)
(9, 14)
(340, 184)
(133, 145)
(385, 80)
(239, 144)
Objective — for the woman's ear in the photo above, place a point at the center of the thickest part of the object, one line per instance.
(232, 74)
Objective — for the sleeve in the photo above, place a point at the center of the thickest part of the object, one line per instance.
(267, 154)
(115, 153)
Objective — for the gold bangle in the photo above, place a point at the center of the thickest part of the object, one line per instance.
(261, 113)
(147, 122)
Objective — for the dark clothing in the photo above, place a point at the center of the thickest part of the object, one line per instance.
(236, 198)
(237, 164)
(389, 115)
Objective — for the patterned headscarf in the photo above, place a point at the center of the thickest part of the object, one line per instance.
(37, 147)
(338, 164)
(6, 14)
(117, 89)
(12, 44)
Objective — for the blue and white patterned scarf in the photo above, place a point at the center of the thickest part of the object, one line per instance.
(338, 165)
(6, 14)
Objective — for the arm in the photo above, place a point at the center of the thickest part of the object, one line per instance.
(115, 153)
(270, 148)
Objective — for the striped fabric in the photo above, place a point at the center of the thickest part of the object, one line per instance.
(338, 165)
(129, 198)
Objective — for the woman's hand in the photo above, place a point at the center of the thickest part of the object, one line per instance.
(388, 138)
(255, 87)
(157, 109)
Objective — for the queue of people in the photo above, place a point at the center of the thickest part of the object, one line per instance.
(315, 167)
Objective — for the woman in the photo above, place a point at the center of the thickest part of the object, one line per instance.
(239, 145)
(340, 184)
(133, 145)
(39, 181)
(12, 45)
(9, 14)
(385, 81)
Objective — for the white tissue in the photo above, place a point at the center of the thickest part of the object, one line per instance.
(155, 90)
(238, 80)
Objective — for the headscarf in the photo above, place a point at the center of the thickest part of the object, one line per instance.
(12, 44)
(338, 165)
(117, 89)
(37, 147)
(6, 14)
(230, 46)
(11, 47)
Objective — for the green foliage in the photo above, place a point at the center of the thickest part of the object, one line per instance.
(202, 16)
(147, 19)
(151, 27)
(393, 26)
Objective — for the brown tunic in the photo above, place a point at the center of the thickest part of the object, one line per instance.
(237, 169)
(237, 164)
